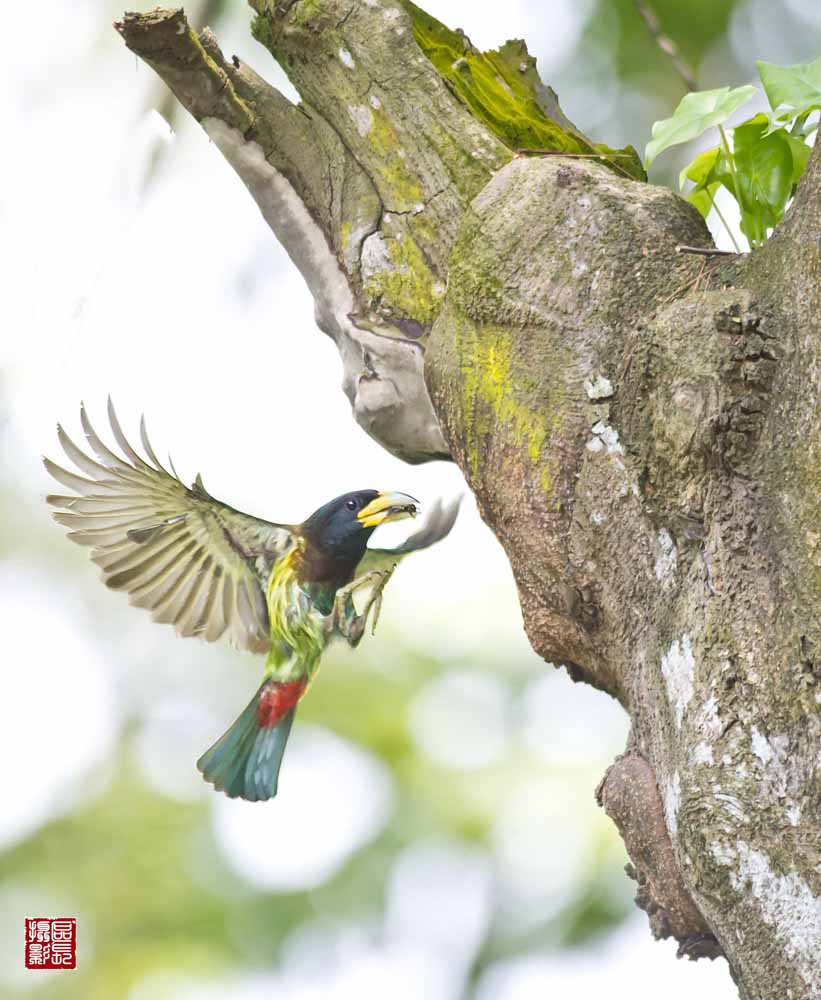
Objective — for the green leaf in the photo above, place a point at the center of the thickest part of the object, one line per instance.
(764, 166)
(707, 170)
(701, 168)
(703, 198)
(800, 154)
(791, 90)
(763, 178)
(695, 114)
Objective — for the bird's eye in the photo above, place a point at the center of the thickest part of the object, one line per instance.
(351, 504)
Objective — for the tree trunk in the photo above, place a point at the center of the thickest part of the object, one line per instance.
(640, 427)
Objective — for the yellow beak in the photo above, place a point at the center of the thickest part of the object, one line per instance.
(387, 507)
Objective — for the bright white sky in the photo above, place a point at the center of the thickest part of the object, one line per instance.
(180, 304)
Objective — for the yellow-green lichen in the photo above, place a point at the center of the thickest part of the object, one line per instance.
(397, 185)
(307, 10)
(407, 286)
(501, 88)
(244, 109)
(261, 29)
(494, 390)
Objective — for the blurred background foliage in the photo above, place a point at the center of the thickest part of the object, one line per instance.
(436, 834)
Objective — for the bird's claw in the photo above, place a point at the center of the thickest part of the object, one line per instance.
(352, 628)
(375, 600)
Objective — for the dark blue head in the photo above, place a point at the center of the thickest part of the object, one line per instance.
(340, 529)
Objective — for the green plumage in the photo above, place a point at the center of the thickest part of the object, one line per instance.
(213, 571)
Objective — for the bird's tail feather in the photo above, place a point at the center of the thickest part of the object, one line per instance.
(244, 762)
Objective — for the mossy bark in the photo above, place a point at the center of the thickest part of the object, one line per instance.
(640, 427)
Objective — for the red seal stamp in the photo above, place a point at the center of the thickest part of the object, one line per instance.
(51, 943)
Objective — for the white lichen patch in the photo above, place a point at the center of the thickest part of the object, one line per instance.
(794, 814)
(362, 117)
(392, 14)
(595, 444)
(678, 667)
(374, 102)
(346, 59)
(761, 746)
(609, 436)
(723, 854)
(597, 517)
(672, 801)
(375, 257)
(709, 719)
(352, 244)
(789, 906)
(598, 387)
(705, 722)
(776, 764)
(667, 558)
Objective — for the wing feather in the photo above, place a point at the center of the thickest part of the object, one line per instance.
(153, 569)
(436, 526)
(96, 505)
(97, 522)
(212, 624)
(147, 445)
(191, 560)
(171, 610)
(73, 482)
(138, 463)
(100, 449)
(80, 459)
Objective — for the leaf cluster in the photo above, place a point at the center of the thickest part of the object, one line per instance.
(759, 161)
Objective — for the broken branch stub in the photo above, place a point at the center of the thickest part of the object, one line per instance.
(367, 248)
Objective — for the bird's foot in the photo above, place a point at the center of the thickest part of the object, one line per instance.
(352, 627)
(374, 602)
(339, 620)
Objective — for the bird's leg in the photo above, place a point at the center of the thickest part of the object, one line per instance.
(338, 618)
(354, 628)
(375, 600)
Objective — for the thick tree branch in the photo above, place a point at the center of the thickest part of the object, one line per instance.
(640, 428)
(210, 88)
(322, 207)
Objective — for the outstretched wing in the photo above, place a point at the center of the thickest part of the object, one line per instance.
(437, 524)
(194, 562)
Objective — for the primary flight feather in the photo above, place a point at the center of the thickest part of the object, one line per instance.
(212, 571)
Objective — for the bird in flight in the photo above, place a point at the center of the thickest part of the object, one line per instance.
(210, 571)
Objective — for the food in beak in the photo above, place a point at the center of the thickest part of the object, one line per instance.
(388, 507)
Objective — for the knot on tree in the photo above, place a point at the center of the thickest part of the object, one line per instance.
(695, 397)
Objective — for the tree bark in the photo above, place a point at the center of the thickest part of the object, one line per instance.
(639, 427)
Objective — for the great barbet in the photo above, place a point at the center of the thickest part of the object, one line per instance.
(211, 571)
